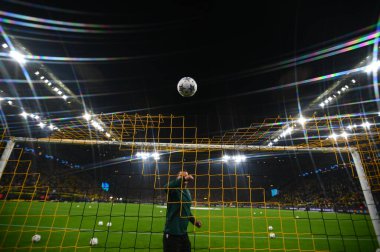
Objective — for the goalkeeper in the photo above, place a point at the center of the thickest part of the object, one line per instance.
(178, 214)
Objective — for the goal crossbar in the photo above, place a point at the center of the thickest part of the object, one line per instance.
(187, 146)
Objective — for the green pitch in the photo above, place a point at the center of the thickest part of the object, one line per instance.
(69, 226)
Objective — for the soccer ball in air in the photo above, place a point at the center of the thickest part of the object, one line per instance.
(36, 238)
(100, 223)
(94, 241)
(272, 235)
(109, 224)
(187, 87)
(270, 228)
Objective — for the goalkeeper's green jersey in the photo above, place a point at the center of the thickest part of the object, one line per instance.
(178, 212)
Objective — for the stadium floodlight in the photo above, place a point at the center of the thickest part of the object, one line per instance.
(56, 89)
(288, 131)
(353, 81)
(226, 158)
(59, 92)
(338, 92)
(373, 67)
(344, 134)
(42, 125)
(4, 45)
(94, 123)
(322, 104)
(46, 81)
(350, 127)
(239, 158)
(333, 136)
(108, 135)
(24, 114)
(366, 125)
(49, 83)
(37, 73)
(155, 156)
(144, 155)
(19, 57)
(51, 127)
(10, 102)
(302, 120)
(42, 77)
(64, 97)
(86, 116)
(275, 140)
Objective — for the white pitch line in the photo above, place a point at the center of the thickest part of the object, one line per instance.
(195, 234)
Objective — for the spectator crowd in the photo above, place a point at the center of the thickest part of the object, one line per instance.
(330, 190)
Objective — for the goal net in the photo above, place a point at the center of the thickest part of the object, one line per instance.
(271, 186)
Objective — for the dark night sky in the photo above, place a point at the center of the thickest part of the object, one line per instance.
(214, 42)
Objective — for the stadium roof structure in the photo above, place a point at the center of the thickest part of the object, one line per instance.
(343, 130)
(51, 91)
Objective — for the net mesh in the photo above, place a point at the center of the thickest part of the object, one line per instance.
(236, 210)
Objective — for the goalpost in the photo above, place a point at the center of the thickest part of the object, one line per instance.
(365, 186)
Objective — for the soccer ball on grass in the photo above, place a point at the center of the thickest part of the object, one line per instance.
(94, 241)
(270, 228)
(272, 235)
(36, 238)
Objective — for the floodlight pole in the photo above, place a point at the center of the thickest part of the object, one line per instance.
(373, 213)
(6, 154)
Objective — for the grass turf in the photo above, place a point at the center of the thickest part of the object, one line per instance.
(69, 226)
